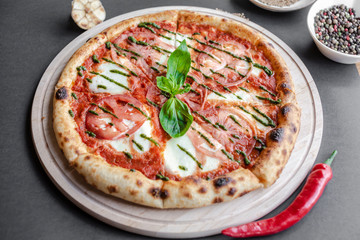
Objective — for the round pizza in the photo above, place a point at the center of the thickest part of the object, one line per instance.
(177, 110)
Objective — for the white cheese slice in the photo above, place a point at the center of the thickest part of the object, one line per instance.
(120, 145)
(175, 157)
(246, 96)
(146, 144)
(168, 41)
(242, 66)
(245, 65)
(163, 59)
(180, 38)
(112, 88)
(123, 144)
(258, 125)
(255, 71)
(211, 164)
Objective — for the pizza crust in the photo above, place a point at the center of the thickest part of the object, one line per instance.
(194, 192)
(280, 143)
(115, 30)
(190, 192)
(120, 182)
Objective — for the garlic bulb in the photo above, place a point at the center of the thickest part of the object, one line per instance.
(87, 13)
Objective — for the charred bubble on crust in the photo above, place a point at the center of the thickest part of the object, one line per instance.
(284, 152)
(285, 110)
(285, 87)
(74, 164)
(188, 195)
(194, 179)
(61, 93)
(139, 183)
(231, 191)
(293, 128)
(202, 190)
(155, 192)
(220, 182)
(133, 192)
(164, 194)
(218, 200)
(243, 193)
(277, 134)
(112, 188)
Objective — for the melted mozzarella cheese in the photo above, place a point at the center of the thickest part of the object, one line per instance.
(251, 118)
(124, 144)
(242, 66)
(175, 157)
(145, 129)
(255, 71)
(112, 88)
(245, 65)
(168, 41)
(211, 164)
(180, 38)
(246, 97)
(120, 145)
(163, 59)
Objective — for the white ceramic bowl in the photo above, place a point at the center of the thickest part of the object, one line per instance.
(328, 52)
(296, 6)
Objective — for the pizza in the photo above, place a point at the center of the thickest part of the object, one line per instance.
(241, 98)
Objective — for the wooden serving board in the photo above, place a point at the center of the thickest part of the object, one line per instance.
(178, 223)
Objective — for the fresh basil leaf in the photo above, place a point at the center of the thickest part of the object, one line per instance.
(175, 117)
(179, 64)
(166, 85)
(186, 89)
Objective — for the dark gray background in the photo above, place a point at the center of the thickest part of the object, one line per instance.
(31, 207)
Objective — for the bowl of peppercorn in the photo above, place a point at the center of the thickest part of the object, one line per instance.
(335, 28)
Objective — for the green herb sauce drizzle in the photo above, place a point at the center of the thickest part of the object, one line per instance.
(191, 156)
(204, 137)
(246, 160)
(141, 111)
(149, 139)
(111, 80)
(138, 145)
(120, 65)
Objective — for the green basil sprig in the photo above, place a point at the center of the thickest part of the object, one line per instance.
(175, 116)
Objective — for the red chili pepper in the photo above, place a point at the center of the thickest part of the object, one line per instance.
(319, 176)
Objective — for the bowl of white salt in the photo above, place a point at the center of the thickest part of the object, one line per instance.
(282, 5)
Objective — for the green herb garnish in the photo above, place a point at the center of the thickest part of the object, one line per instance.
(175, 116)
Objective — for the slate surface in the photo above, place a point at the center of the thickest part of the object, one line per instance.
(31, 207)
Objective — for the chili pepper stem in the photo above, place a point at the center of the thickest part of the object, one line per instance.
(331, 158)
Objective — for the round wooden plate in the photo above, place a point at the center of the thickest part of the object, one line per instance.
(178, 223)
